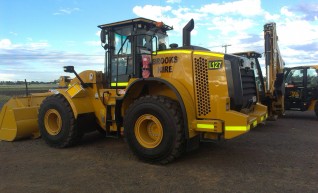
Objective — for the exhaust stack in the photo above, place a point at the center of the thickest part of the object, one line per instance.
(186, 33)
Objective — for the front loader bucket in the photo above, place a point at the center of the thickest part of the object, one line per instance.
(19, 117)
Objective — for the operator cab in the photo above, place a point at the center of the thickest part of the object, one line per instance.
(129, 45)
(301, 87)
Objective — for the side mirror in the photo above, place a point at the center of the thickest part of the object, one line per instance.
(103, 36)
(69, 69)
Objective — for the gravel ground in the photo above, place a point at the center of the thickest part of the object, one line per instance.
(280, 156)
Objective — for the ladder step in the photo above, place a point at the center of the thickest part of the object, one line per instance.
(113, 134)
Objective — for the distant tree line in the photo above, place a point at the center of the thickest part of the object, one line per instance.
(29, 83)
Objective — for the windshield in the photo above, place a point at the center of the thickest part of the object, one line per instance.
(153, 39)
(121, 60)
(127, 45)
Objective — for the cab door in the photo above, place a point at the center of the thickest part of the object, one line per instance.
(312, 84)
(295, 89)
(121, 60)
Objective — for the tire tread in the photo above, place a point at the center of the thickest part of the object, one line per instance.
(73, 135)
(174, 110)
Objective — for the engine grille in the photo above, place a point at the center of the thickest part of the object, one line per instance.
(202, 86)
(248, 84)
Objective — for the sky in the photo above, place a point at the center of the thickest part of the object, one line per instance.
(38, 38)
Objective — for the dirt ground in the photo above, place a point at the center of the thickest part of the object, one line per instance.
(280, 156)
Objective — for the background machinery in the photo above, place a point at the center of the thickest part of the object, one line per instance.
(301, 88)
(270, 88)
(294, 88)
(164, 100)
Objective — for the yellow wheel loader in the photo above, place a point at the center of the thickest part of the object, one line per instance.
(163, 98)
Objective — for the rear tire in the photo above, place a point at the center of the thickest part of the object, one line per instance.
(153, 128)
(57, 124)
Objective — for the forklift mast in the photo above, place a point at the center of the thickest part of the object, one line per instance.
(274, 64)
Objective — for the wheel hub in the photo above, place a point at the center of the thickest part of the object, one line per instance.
(148, 131)
(53, 122)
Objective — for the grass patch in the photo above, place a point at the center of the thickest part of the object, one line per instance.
(4, 98)
(30, 87)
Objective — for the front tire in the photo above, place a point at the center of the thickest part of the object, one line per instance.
(153, 128)
(57, 124)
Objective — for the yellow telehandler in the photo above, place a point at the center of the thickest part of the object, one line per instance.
(271, 89)
(163, 100)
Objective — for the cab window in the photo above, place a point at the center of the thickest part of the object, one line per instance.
(295, 77)
(121, 60)
(312, 77)
(121, 49)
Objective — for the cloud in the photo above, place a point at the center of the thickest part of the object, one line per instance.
(228, 24)
(296, 32)
(236, 22)
(251, 39)
(14, 33)
(240, 23)
(7, 77)
(98, 33)
(306, 47)
(186, 14)
(205, 20)
(173, 1)
(239, 42)
(151, 11)
(295, 57)
(241, 7)
(271, 17)
(177, 18)
(37, 61)
(310, 10)
(284, 11)
(5, 43)
(162, 13)
(66, 11)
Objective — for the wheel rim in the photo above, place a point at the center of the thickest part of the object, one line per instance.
(53, 122)
(148, 131)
